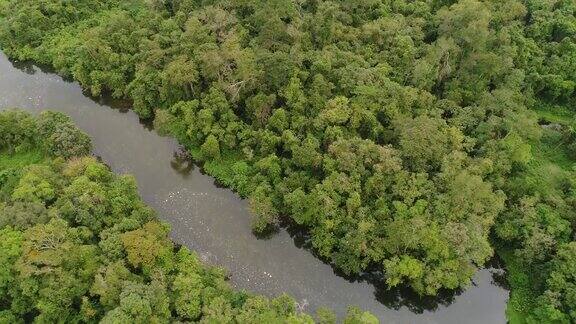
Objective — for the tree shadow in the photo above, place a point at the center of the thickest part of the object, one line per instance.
(121, 105)
(182, 163)
(498, 271)
(31, 68)
(400, 296)
(403, 296)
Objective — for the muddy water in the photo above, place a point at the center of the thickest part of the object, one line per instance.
(216, 223)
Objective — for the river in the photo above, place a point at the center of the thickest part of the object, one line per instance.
(216, 223)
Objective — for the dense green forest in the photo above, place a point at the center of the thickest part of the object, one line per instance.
(412, 136)
(79, 245)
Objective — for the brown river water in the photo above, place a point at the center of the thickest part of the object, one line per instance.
(215, 222)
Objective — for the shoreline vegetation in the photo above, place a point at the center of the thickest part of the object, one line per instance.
(413, 136)
(79, 245)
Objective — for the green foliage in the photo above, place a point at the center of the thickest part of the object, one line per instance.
(51, 133)
(65, 140)
(262, 208)
(79, 245)
(210, 149)
(18, 161)
(523, 289)
(357, 316)
(317, 117)
(11, 244)
(18, 131)
(399, 133)
(557, 304)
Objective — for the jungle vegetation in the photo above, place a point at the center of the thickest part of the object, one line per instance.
(412, 136)
(78, 245)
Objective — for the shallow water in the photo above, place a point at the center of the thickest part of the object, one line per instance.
(216, 223)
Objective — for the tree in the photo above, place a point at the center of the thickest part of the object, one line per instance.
(147, 246)
(17, 130)
(58, 268)
(188, 296)
(68, 141)
(262, 207)
(357, 316)
(557, 303)
(39, 184)
(180, 75)
(211, 148)
(62, 138)
(260, 107)
(11, 244)
(23, 215)
(140, 303)
(425, 141)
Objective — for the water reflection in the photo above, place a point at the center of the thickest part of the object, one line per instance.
(499, 279)
(182, 162)
(25, 66)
